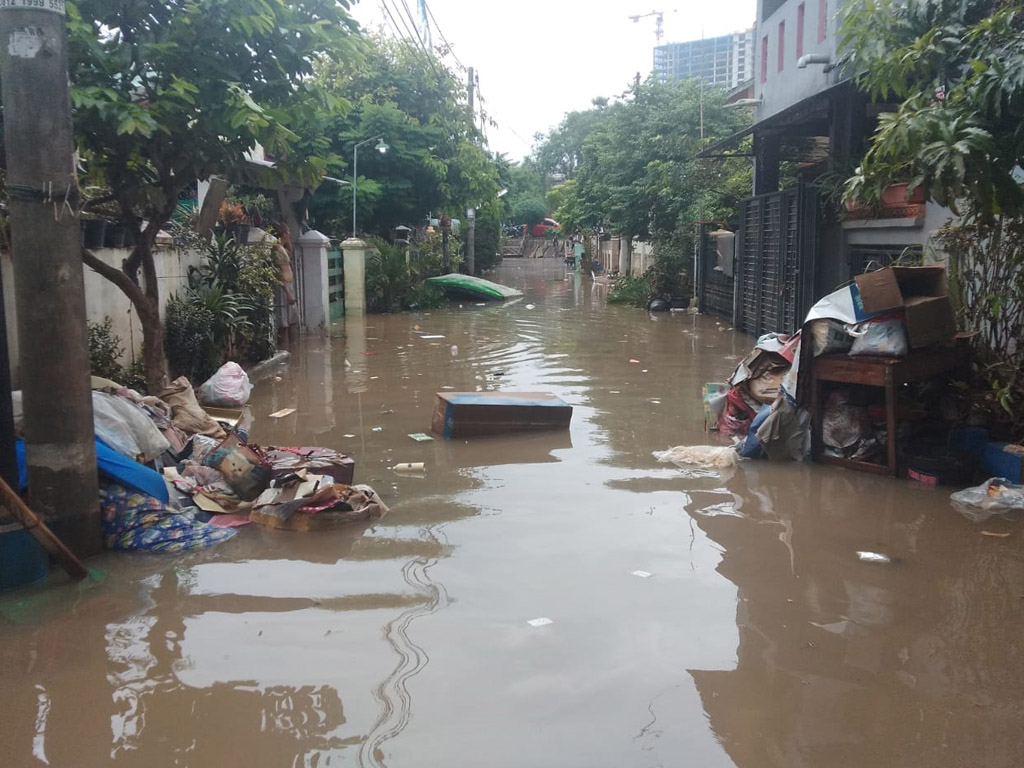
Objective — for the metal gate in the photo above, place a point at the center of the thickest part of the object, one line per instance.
(335, 284)
(717, 290)
(775, 260)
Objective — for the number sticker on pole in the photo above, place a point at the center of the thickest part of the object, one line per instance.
(54, 6)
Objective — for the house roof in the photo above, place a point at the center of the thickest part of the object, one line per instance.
(812, 113)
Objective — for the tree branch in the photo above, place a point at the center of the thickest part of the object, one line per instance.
(116, 276)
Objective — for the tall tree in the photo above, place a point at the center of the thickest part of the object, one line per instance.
(169, 91)
(434, 161)
(634, 168)
(956, 69)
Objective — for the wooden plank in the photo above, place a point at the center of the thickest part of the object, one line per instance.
(860, 466)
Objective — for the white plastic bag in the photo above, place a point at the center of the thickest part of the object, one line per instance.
(996, 496)
(885, 338)
(229, 387)
(718, 456)
(126, 428)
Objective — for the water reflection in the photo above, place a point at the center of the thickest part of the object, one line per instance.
(757, 640)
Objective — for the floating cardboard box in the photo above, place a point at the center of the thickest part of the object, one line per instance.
(920, 292)
(468, 414)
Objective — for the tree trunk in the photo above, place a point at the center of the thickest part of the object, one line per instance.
(153, 346)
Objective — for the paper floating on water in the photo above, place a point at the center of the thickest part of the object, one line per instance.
(348, 436)
(643, 574)
(635, 362)
(282, 413)
(531, 306)
(377, 429)
(421, 437)
(431, 337)
(540, 622)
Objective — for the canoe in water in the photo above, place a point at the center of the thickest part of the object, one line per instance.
(474, 287)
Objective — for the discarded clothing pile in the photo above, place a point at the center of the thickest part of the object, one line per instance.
(174, 478)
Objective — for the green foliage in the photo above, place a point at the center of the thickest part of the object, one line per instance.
(633, 291)
(426, 296)
(187, 343)
(388, 278)
(169, 91)
(530, 211)
(105, 351)
(433, 163)
(669, 270)
(986, 278)
(233, 290)
(257, 276)
(957, 69)
(630, 164)
(488, 235)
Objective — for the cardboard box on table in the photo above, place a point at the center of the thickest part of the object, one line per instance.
(920, 292)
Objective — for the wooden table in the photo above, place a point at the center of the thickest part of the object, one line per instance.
(887, 372)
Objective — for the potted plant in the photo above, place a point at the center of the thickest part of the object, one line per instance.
(232, 217)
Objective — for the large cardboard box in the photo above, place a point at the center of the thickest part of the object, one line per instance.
(920, 292)
(468, 414)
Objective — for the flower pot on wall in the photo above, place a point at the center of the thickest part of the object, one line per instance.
(115, 236)
(93, 232)
(896, 194)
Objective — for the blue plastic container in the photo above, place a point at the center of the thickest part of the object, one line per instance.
(22, 559)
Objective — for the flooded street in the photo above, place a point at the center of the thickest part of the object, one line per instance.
(758, 638)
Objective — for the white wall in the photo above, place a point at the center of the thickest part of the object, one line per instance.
(791, 85)
(103, 298)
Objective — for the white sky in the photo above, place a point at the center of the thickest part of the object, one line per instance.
(538, 59)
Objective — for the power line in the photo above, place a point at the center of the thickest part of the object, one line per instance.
(391, 21)
(440, 33)
(430, 58)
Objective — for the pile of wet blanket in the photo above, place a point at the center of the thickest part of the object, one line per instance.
(173, 478)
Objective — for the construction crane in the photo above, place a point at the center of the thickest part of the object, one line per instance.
(659, 21)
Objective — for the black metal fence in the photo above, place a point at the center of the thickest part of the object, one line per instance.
(774, 263)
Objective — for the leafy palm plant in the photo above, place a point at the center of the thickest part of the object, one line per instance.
(228, 313)
(388, 278)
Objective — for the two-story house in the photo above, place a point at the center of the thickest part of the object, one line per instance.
(811, 123)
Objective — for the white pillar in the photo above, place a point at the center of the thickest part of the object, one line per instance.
(625, 249)
(312, 248)
(354, 253)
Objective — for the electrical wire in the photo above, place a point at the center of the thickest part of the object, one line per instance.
(441, 34)
(391, 21)
(430, 58)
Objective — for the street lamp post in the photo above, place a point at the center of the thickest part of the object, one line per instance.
(382, 148)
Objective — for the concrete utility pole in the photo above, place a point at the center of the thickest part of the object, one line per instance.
(49, 288)
(472, 98)
(471, 212)
(471, 241)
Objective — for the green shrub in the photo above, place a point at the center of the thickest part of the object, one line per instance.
(426, 296)
(257, 276)
(530, 211)
(188, 341)
(105, 353)
(634, 291)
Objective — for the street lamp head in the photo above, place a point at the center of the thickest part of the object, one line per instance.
(382, 147)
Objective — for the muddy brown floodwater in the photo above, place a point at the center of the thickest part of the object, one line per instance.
(759, 639)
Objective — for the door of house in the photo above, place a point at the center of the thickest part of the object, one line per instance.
(775, 256)
(335, 284)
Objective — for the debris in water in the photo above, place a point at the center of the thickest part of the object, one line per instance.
(531, 306)
(432, 337)
(643, 574)
(540, 622)
(410, 467)
(874, 557)
(455, 350)
(996, 534)
(377, 429)
(634, 362)
(421, 437)
(282, 413)
(348, 436)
